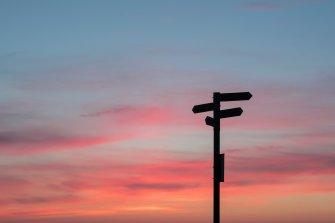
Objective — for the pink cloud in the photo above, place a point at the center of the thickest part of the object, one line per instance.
(116, 184)
(242, 170)
(8, 183)
(134, 115)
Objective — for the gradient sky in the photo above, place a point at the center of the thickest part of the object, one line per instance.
(96, 122)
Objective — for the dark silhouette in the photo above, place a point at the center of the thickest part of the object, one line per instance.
(215, 123)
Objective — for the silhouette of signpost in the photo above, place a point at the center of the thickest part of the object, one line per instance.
(215, 123)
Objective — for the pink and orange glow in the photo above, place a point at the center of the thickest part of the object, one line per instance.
(96, 122)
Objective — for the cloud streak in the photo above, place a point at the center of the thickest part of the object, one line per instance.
(92, 183)
(134, 115)
(29, 141)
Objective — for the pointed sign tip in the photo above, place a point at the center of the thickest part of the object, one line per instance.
(235, 96)
(249, 95)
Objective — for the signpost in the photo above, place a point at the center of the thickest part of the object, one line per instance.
(215, 123)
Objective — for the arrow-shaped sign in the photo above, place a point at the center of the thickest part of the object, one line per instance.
(237, 96)
(227, 113)
(232, 112)
(203, 108)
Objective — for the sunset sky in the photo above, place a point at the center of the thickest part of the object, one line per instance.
(96, 121)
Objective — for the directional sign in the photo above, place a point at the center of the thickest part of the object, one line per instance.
(237, 96)
(227, 113)
(209, 121)
(232, 112)
(219, 159)
(203, 108)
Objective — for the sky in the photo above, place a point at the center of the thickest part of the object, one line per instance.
(96, 121)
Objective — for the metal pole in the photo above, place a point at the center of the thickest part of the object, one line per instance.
(216, 158)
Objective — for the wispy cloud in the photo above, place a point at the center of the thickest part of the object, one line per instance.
(285, 164)
(109, 111)
(92, 184)
(159, 186)
(135, 115)
(45, 199)
(28, 141)
(8, 182)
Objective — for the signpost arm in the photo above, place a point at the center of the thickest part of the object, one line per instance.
(216, 158)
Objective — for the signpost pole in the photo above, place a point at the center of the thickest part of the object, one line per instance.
(216, 158)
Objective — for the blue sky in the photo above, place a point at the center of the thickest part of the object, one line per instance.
(218, 35)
